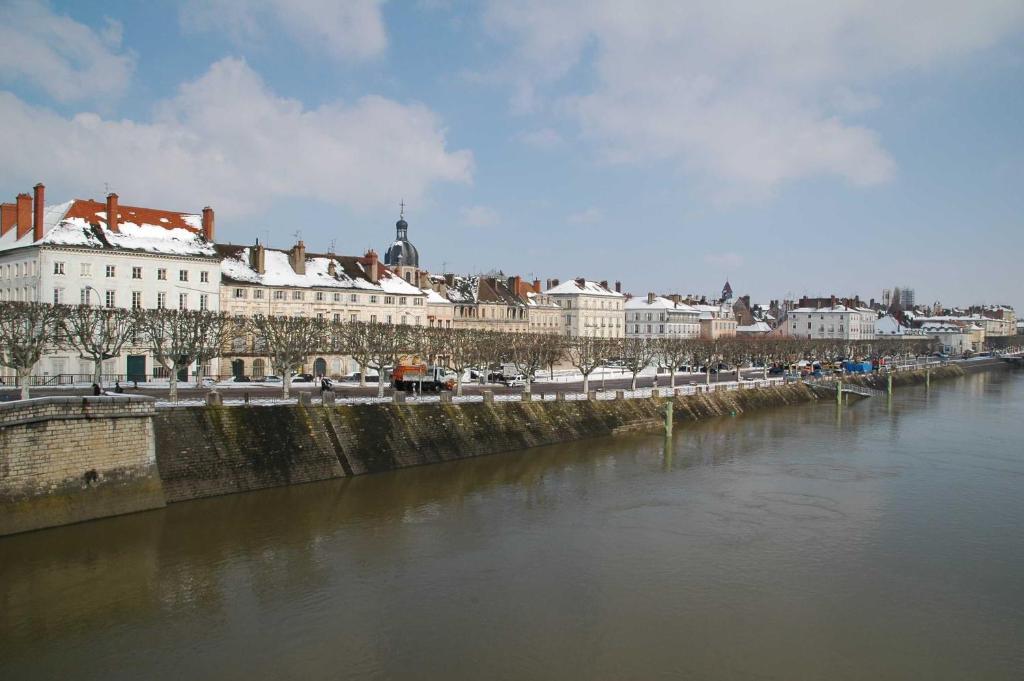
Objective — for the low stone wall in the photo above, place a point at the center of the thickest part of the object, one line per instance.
(905, 378)
(204, 451)
(68, 459)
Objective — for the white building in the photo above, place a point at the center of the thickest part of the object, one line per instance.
(955, 338)
(833, 322)
(590, 308)
(716, 321)
(991, 325)
(87, 252)
(659, 317)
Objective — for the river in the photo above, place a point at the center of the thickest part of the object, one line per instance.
(879, 541)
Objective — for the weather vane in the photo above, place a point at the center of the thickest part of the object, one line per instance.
(401, 211)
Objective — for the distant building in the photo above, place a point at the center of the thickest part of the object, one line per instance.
(589, 308)
(716, 320)
(401, 256)
(659, 317)
(834, 321)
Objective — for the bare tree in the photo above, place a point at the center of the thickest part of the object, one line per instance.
(387, 343)
(96, 333)
(636, 354)
(214, 330)
(357, 340)
(673, 352)
(586, 353)
(289, 341)
(530, 352)
(26, 330)
(459, 353)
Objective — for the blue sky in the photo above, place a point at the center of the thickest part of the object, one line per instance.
(796, 149)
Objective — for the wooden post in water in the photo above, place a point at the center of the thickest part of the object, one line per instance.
(889, 384)
(668, 418)
(927, 378)
(839, 393)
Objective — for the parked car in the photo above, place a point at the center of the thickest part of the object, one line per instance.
(302, 378)
(776, 370)
(242, 379)
(516, 380)
(272, 379)
(357, 376)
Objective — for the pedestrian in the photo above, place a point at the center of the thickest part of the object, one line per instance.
(117, 387)
(96, 389)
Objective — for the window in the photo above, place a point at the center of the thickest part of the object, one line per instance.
(161, 301)
(337, 316)
(204, 277)
(353, 298)
(111, 271)
(337, 297)
(417, 301)
(136, 300)
(239, 293)
(182, 301)
(298, 295)
(353, 317)
(83, 298)
(110, 299)
(86, 269)
(404, 320)
(373, 319)
(402, 301)
(161, 274)
(182, 275)
(389, 319)
(373, 299)
(136, 273)
(58, 296)
(58, 268)
(203, 301)
(389, 300)
(319, 296)
(278, 295)
(258, 294)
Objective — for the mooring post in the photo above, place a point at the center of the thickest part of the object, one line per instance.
(927, 378)
(889, 384)
(839, 393)
(668, 418)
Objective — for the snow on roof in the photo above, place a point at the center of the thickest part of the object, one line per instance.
(321, 271)
(660, 303)
(81, 223)
(435, 298)
(756, 327)
(590, 288)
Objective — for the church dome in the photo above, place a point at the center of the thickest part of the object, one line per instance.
(402, 252)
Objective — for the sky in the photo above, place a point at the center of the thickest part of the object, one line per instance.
(794, 147)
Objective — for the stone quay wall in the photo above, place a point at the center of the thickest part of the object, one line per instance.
(69, 459)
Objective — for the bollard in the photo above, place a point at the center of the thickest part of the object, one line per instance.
(446, 396)
(398, 397)
(620, 394)
(213, 399)
(488, 396)
(668, 419)
(559, 396)
(304, 398)
(527, 397)
(246, 397)
(327, 396)
(592, 395)
(655, 392)
(839, 393)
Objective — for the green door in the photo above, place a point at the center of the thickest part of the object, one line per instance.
(137, 368)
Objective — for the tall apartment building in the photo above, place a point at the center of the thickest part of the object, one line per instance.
(659, 317)
(589, 308)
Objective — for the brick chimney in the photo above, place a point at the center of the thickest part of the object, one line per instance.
(618, 287)
(581, 282)
(650, 298)
(8, 216)
(112, 216)
(554, 282)
(517, 285)
(208, 223)
(833, 301)
(258, 258)
(536, 286)
(23, 217)
(676, 298)
(38, 218)
(604, 284)
(371, 264)
(298, 257)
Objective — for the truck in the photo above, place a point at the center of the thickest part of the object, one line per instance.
(857, 367)
(413, 377)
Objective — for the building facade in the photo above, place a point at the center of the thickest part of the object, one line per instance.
(590, 308)
(832, 322)
(659, 317)
(111, 255)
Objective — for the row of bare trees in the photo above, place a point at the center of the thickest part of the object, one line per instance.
(177, 339)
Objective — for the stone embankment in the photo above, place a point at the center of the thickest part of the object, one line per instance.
(64, 460)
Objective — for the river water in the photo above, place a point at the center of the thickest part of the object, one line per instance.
(880, 541)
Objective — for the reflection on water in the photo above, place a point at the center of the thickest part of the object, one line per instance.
(876, 540)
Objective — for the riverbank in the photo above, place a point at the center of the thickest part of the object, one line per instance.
(204, 451)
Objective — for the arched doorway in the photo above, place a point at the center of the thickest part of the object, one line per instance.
(238, 367)
(320, 367)
(258, 369)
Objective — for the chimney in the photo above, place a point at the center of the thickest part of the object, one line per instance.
(258, 258)
(650, 298)
(208, 223)
(554, 282)
(517, 285)
(112, 216)
(23, 217)
(536, 286)
(298, 257)
(604, 284)
(618, 287)
(372, 265)
(676, 298)
(37, 222)
(548, 284)
(581, 282)
(833, 301)
(8, 216)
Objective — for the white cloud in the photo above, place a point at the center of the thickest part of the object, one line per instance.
(228, 141)
(745, 96)
(480, 216)
(728, 261)
(342, 29)
(67, 60)
(544, 138)
(586, 217)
